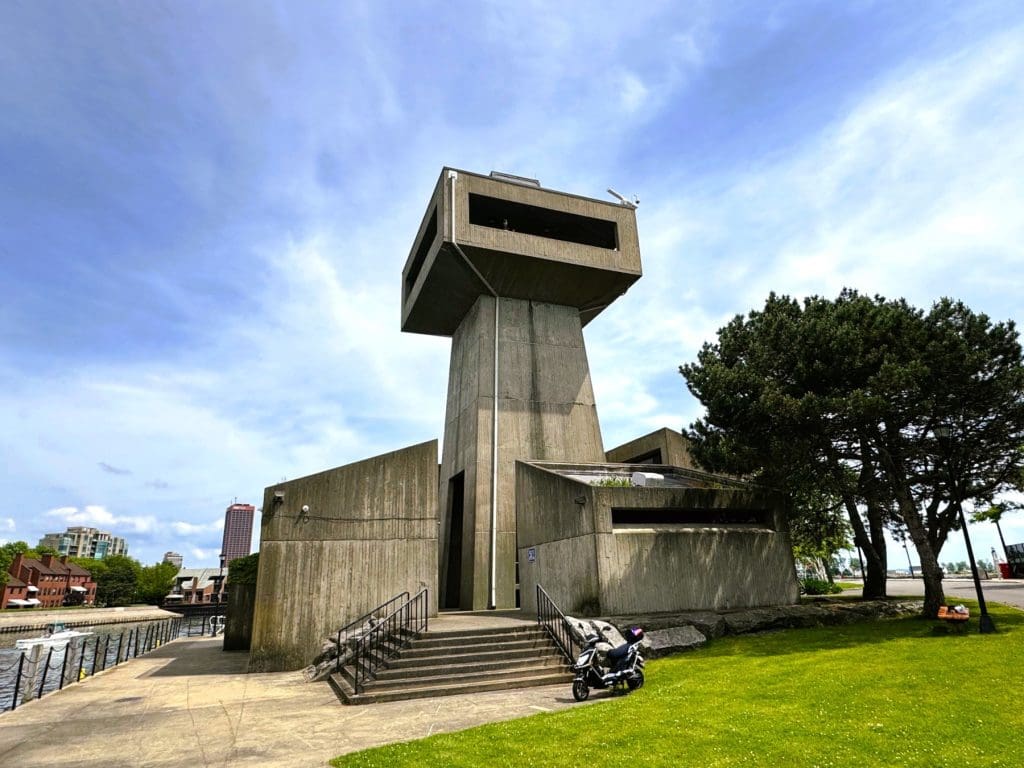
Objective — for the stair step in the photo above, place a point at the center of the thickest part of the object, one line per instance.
(393, 672)
(413, 675)
(342, 687)
(413, 683)
(466, 658)
(454, 642)
(449, 662)
(483, 631)
(417, 650)
(373, 696)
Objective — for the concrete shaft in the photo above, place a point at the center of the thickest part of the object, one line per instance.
(546, 410)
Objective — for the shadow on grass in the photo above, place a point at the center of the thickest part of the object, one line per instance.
(780, 642)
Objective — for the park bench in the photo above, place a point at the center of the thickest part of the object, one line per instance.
(954, 616)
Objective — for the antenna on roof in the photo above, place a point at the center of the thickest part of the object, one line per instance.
(634, 203)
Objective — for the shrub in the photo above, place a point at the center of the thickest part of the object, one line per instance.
(812, 586)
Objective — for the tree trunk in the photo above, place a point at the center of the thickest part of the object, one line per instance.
(931, 571)
(933, 592)
(875, 567)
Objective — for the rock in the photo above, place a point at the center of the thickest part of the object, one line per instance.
(711, 625)
(663, 642)
(757, 620)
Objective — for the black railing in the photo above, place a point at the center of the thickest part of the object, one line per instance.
(386, 638)
(553, 620)
(352, 630)
(31, 676)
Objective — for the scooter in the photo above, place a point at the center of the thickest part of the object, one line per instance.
(599, 665)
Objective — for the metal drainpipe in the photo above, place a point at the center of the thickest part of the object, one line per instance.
(452, 176)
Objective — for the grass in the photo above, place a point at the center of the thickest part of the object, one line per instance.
(886, 693)
(849, 585)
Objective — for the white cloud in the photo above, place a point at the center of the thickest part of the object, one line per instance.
(187, 529)
(98, 517)
(203, 555)
(632, 92)
(7, 524)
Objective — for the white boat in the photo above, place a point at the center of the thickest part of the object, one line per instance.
(56, 634)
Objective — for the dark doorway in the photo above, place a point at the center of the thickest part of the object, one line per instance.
(453, 568)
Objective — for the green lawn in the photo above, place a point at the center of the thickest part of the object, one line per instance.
(849, 585)
(887, 693)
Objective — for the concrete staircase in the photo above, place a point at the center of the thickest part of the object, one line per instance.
(446, 662)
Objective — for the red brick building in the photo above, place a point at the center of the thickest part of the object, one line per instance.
(48, 582)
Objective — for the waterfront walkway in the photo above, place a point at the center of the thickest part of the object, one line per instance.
(191, 704)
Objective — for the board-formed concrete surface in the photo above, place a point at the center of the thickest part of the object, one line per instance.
(190, 704)
(336, 544)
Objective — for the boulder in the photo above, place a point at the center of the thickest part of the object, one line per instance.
(663, 642)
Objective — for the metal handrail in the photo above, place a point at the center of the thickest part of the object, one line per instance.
(388, 637)
(355, 627)
(553, 620)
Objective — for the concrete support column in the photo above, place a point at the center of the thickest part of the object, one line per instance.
(546, 410)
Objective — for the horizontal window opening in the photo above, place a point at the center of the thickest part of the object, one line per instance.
(421, 253)
(676, 516)
(543, 222)
(651, 457)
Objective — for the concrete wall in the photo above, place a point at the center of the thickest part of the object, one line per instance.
(671, 446)
(662, 567)
(240, 608)
(370, 533)
(546, 410)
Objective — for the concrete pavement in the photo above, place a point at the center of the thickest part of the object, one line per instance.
(191, 704)
(1009, 591)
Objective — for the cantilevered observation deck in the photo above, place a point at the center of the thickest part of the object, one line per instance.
(525, 241)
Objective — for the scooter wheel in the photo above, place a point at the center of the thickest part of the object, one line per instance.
(637, 681)
(580, 689)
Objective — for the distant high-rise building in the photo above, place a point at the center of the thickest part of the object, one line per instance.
(81, 541)
(173, 558)
(237, 532)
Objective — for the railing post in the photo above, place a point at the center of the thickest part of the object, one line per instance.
(46, 669)
(68, 650)
(17, 681)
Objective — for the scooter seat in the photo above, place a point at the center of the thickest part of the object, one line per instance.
(617, 654)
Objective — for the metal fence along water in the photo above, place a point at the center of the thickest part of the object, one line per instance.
(41, 669)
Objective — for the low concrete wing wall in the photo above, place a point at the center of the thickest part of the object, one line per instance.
(695, 569)
(650, 549)
(557, 541)
(336, 544)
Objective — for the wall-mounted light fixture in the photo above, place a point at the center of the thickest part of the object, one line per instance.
(278, 497)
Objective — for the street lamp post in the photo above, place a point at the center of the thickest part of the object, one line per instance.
(944, 435)
(910, 567)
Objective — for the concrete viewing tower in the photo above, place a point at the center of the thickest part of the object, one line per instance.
(511, 272)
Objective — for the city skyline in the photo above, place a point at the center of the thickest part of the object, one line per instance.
(207, 209)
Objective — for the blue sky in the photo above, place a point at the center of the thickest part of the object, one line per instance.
(205, 209)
